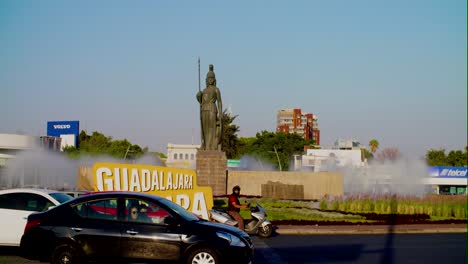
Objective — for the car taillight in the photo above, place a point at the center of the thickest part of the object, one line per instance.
(31, 223)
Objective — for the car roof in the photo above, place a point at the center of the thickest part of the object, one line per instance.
(107, 194)
(29, 190)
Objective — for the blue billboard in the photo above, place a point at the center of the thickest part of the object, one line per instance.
(62, 128)
(448, 172)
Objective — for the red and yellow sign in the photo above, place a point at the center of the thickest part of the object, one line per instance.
(177, 185)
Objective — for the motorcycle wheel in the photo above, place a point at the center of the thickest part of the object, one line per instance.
(265, 231)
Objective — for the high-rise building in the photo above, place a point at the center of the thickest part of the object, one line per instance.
(295, 121)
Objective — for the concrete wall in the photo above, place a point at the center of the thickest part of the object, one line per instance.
(316, 184)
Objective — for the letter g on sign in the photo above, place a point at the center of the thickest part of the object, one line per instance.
(101, 181)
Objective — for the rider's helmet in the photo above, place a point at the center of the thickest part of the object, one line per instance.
(236, 188)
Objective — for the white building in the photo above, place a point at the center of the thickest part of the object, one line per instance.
(10, 144)
(347, 144)
(182, 156)
(448, 180)
(328, 159)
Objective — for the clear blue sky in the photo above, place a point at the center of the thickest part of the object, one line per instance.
(391, 70)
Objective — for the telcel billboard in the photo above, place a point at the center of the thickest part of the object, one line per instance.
(448, 172)
(177, 185)
(67, 130)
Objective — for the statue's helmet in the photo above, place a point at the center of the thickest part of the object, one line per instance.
(211, 73)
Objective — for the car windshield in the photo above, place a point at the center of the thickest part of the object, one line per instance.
(61, 197)
(180, 210)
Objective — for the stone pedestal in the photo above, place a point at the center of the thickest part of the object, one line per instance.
(211, 170)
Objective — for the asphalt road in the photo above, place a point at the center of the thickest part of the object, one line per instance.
(10, 255)
(365, 249)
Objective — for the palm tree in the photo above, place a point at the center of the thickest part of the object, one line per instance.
(374, 145)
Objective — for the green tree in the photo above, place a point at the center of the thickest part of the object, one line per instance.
(71, 151)
(230, 142)
(436, 157)
(83, 136)
(245, 146)
(457, 158)
(365, 154)
(374, 145)
(159, 155)
(118, 148)
(124, 149)
(99, 144)
(276, 147)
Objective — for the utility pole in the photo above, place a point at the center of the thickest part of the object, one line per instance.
(126, 152)
(279, 163)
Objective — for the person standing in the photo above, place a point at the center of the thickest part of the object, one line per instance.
(211, 110)
(234, 206)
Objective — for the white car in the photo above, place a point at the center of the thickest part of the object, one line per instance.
(17, 204)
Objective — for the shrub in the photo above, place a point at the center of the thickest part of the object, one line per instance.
(323, 204)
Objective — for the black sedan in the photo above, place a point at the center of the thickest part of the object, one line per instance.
(127, 226)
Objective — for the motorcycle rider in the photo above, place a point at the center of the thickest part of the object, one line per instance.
(234, 206)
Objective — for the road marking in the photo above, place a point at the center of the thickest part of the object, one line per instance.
(267, 252)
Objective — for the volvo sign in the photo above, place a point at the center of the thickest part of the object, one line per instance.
(68, 131)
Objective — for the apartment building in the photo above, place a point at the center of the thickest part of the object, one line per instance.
(301, 123)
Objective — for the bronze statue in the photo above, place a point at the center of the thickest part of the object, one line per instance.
(211, 110)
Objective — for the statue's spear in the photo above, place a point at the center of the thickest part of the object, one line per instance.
(199, 88)
(201, 98)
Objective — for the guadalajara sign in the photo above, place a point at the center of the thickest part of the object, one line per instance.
(177, 185)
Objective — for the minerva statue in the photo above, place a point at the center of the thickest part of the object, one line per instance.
(211, 110)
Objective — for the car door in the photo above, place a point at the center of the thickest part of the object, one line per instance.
(148, 237)
(96, 227)
(14, 210)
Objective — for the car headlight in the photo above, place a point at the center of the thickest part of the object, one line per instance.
(233, 240)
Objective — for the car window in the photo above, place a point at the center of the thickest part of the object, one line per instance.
(75, 194)
(142, 211)
(6, 202)
(61, 197)
(25, 201)
(180, 210)
(99, 209)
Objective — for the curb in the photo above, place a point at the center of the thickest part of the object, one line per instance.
(355, 230)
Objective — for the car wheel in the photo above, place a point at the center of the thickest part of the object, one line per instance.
(203, 256)
(265, 231)
(65, 254)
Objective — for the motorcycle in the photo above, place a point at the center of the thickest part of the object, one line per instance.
(258, 224)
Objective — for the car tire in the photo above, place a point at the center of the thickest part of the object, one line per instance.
(203, 255)
(265, 231)
(65, 254)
